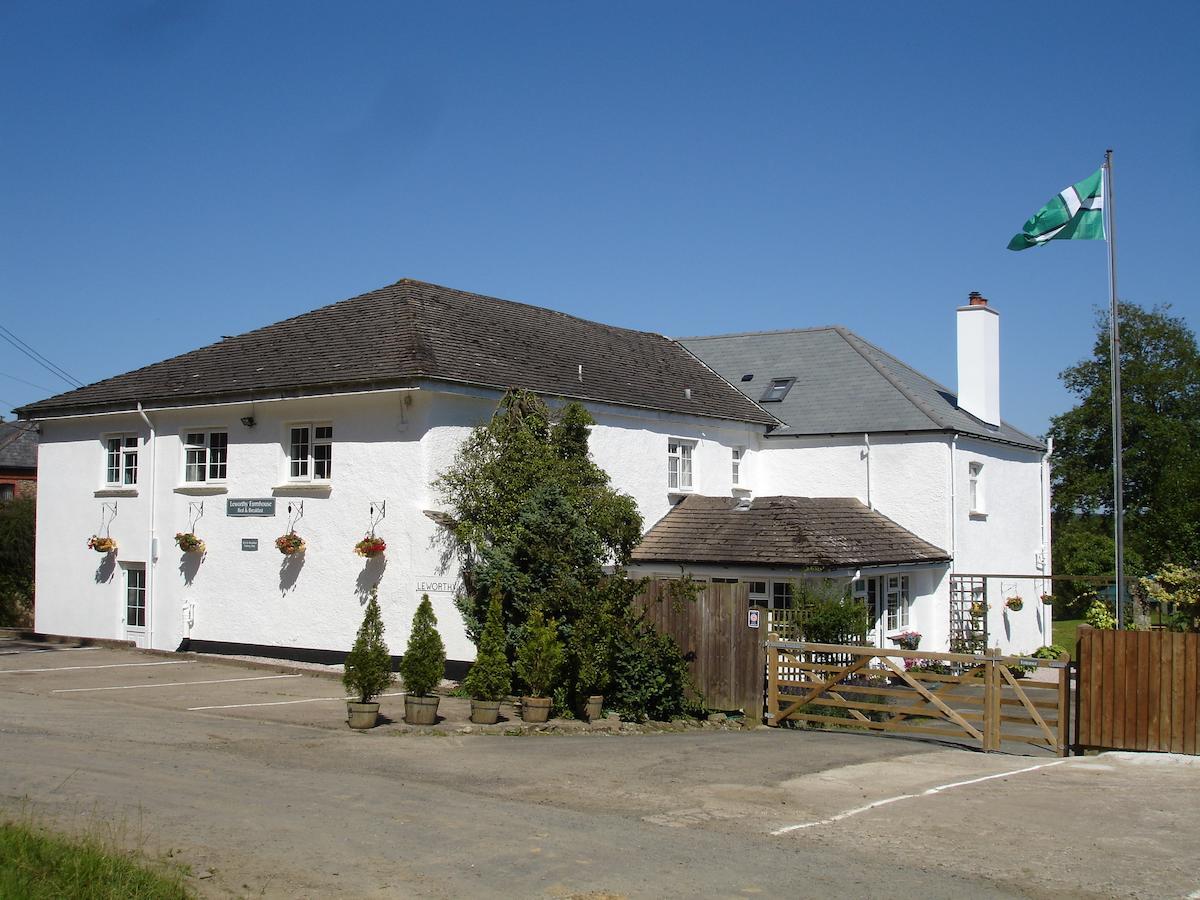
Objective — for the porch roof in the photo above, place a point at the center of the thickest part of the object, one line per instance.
(806, 532)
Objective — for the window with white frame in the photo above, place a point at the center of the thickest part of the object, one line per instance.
(737, 453)
(679, 464)
(135, 597)
(896, 600)
(310, 452)
(205, 456)
(120, 460)
(975, 486)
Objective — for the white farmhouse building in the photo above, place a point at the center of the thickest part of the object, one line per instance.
(335, 423)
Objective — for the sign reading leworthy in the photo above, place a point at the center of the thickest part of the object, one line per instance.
(432, 586)
(251, 506)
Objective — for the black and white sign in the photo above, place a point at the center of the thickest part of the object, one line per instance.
(752, 618)
(249, 543)
(250, 506)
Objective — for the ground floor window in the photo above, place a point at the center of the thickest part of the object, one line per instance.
(135, 597)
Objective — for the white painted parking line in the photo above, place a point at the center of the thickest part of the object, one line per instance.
(130, 687)
(173, 662)
(933, 790)
(284, 702)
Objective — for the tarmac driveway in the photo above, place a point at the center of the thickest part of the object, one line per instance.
(249, 776)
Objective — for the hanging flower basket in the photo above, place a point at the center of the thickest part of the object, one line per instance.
(189, 543)
(370, 546)
(907, 640)
(102, 544)
(1048, 599)
(1016, 604)
(979, 609)
(290, 544)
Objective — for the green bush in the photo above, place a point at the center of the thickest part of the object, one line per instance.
(1050, 651)
(490, 677)
(16, 561)
(540, 655)
(368, 669)
(1098, 615)
(649, 674)
(424, 659)
(830, 617)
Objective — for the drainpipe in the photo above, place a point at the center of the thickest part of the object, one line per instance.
(151, 540)
(1043, 498)
(867, 457)
(953, 501)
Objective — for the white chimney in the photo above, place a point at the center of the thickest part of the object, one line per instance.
(979, 359)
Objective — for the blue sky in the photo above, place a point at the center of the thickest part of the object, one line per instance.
(176, 171)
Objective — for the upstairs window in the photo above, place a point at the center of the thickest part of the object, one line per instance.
(975, 485)
(310, 452)
(737, 454)
(205, 456)
(679, 464)
(120, 460)
(777, 390)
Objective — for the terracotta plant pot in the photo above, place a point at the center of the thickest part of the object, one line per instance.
(535, 709)
(361, 715)
(485, 712)
(420, 710)
(594, 708)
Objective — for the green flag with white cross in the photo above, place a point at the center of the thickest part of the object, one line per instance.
(1076, 213)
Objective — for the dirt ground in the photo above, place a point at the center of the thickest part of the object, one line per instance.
(250, 777)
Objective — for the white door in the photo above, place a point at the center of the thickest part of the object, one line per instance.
(887, 601)
(134, 602)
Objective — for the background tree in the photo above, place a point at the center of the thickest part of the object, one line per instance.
(16, 561)
(1160, 381)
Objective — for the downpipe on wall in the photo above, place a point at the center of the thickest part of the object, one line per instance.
(151, 538)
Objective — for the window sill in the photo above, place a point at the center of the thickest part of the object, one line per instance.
(116, 492)
(303, 489)
(674, 495)
(741, 490)
(977, 516)
(201, 490)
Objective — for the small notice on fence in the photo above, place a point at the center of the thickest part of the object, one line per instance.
(752, 618)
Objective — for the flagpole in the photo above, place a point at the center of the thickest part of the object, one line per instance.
(1114, 350)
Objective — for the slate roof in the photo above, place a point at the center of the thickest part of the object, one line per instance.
(411, 331)
(844, 385)
(786, 532)
(18, 446)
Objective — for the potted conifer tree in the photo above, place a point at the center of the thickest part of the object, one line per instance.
(490, 679)
(422, 666)
(538, 660)
(368, 669)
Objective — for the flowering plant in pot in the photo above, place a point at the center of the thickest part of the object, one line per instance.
(290, 544)
(422, 665)
(370, 546)
(102, 544)
(1016, 604)
(368, 668)
(979, 609)
(539, 659)
(1048, 599)
(189, 543)
(907, 640)
(490, 678)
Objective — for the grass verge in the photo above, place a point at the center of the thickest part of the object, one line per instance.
(1065, 633)
(36, 863)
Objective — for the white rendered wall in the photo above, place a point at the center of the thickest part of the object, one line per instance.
(388, 447)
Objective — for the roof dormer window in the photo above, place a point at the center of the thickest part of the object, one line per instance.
(777, 390)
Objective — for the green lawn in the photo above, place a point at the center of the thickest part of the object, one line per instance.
(36, 863)
(1064, 633)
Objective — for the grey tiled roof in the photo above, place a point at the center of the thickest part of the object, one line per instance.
(791, 532)
(411, 331)
(844, 385)
(18, 446)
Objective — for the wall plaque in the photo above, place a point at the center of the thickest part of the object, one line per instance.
(249, 543)
(253, 506)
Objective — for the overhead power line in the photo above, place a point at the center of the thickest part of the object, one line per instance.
(38, 358)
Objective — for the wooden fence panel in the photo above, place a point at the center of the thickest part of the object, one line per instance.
(1139, 690)
(726, 657)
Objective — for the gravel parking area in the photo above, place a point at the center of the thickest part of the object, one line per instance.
(249, 775)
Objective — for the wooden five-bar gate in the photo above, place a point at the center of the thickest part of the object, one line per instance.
(983, 699)
(1138, 690)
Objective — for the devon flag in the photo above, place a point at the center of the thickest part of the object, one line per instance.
(1077, 213)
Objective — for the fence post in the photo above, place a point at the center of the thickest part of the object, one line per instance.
(1064, 704)
(772, 685)
(991, 700)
